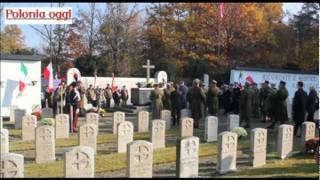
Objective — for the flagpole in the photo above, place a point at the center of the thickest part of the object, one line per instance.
(219, 33)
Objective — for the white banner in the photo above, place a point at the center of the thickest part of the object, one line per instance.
(47, 15)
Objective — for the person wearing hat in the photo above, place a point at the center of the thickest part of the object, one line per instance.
(280, 105)
(59, 97)
(213, 99)
(312, 104)
(167, 94)
(246, 105)
(184, 91)
(156, 98)
(197, 99)
(255, 100)
(73, 100)
(263, 94)
(299, 107)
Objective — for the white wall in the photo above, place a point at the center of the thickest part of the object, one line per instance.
(291, 79)
(10, 75)
(118, 81)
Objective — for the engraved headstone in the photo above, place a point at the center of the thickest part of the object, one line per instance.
(258, 146)
(45, 144)
(4, 137)
(18, 114)
(118, 117)
(62, 126)
(36, 108)
(233, 121)
(143, 121)
(12, 109)
(185, 113)
(29, 124)
(186, 128)
(79, 162)
(139, 159)
(124, 136)
(187, 161)
(227, 152)
(11, 165)
(308, 132)
(166, 115)
(285, 141)
(88, 136)
(47, 112)
(211, 129)
(93, 118)
(158, 133)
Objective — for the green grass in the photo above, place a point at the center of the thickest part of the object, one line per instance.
(302, 165)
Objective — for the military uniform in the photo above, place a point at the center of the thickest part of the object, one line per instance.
(157, 106)
(280, 106)
(197, 99)
(246, 105)
(213, 100)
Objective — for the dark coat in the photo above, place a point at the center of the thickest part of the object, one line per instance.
(213, 100)
(176, 100)
(157, 106)
(246, 104)
(184, 91)
(299, 105)
(196, 98)
(311, 101)
(280, 105)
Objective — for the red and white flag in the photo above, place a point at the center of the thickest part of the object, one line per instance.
(249, 79)
(48, 75)
(221, 11)
(113, 87)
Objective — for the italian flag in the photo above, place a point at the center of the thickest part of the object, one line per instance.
(48, 75)
(23, 76)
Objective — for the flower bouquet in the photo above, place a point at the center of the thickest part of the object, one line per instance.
(37, 114)
(102, 112)
(240, 131)
(47, 122)
(312, 145)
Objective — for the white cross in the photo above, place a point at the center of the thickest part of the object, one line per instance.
(143, 153)
(148, 66)
(82, 161)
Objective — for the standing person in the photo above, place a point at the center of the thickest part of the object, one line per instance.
(299, 107)
(213, 99)
(269, 105)
(176, 104)
(196, 98)
(184, 91)
(166, 98)
(91, 96)
(235, 98)
(73, 99)
(156, 98)
(264, 93)
(255, 100)
(108, 95)
(116, 98)
(47, 98)
(124, 95)
(82, 91)
(246, 105)
(59, 96)
(280, 105)
(312, 103)
(227, 99)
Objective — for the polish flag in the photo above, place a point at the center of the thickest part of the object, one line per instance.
(113, 87)
(48, 75)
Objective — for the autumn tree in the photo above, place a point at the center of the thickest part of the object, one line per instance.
(11, 39)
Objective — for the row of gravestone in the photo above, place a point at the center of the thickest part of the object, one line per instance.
(79, 162)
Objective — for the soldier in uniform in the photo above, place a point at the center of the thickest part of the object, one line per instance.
(264, 92)
(108, 95)
(280, 105)
(156, 98)
(213, 99)
(299, 107)
(246, 105)
(197, 99)
(82, 92)
(91, 96)
(255, 101)
(166, 98)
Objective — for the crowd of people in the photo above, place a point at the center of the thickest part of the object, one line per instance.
(267, 103)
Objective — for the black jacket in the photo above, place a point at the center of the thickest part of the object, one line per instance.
(299, 105)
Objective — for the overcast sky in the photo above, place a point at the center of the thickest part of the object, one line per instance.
(33, 39)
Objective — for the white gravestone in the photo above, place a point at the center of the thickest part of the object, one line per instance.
(29, 124)
(45, 144)
(18, 114)
(185, 113)
(187, 161)
(258, 146)
(139, 159)
(88, 136)
(79, 162)
(227, 152)
(47, 112)
(93, 118)
(158, 133)
(4, 137)
(143, 121)
(186, 128)
(233, 121)
(125, 136)
(36, 108)
(285, 141)
(12, 165)
(211, 129)
(12, 109)
(166, 115)
(161, 77)
(70, 75)
(308, 132)
(62, 126)
(117, 118)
